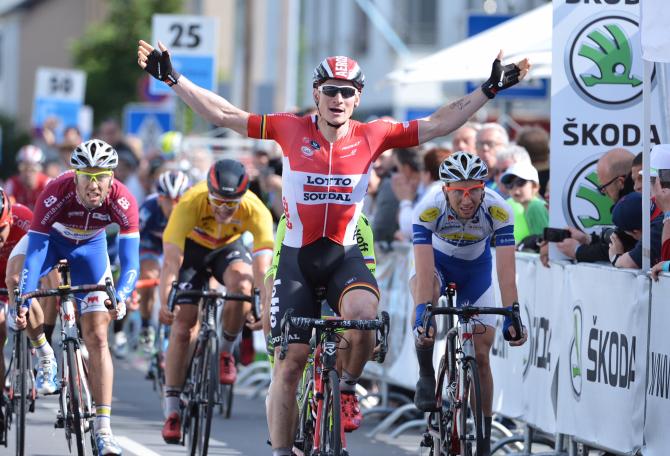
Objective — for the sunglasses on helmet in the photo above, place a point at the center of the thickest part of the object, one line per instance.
(333, 90)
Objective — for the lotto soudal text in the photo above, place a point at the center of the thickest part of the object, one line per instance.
(331, 188)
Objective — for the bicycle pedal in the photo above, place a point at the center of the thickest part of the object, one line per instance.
(60, 423)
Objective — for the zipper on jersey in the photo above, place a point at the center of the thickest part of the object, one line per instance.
(330, 167)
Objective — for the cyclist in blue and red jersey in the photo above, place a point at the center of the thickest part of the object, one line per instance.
(69, 223)
(327, 158)
(154, 214)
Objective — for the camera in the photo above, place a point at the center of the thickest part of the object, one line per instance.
(627, 241)
(556, 234)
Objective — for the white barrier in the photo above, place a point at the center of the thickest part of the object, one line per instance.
(656, 435)
(603, 357)
(596, 320)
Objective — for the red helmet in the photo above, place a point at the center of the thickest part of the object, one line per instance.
(339, 67)
(5, 209)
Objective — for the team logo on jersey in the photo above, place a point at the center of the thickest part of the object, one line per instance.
(124, 203)
(429, 215)
(307, 152)
(103, 217)
(75, 213)
(499, 214)
(48, 202)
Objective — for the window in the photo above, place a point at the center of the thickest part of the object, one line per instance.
(416, 21)
(360, 32)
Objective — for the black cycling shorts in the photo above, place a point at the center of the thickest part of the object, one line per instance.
(302, 271)
(194, 274)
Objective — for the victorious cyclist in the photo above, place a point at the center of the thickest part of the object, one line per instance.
(327, 159)
(69, 223)
(453, 227)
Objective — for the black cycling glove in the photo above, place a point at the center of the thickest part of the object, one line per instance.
(501, 78)
(160, 67)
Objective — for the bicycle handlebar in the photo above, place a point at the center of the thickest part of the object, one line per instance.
(61, 291)
(332, 324)
(176, 293)
(468, 312)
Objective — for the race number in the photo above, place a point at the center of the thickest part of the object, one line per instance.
(185, 35)
(60, 84)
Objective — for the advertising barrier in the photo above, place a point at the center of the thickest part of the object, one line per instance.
(595, 319)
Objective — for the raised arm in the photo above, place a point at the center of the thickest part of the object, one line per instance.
(212, 107)
(451, 116)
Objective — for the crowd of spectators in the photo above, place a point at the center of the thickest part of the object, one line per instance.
(518, 171)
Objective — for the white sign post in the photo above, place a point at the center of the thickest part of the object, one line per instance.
(193, 45)
(59, 93)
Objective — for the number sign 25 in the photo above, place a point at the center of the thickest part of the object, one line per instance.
(185, 36)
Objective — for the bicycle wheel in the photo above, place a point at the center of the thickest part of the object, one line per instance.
(75, 417)
(471, 418)
(331, 425)
(194, 381)
(87, 402)
(21, 391)
(210, 382)
(440, 422)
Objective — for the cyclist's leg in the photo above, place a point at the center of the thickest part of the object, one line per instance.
(232, 267)
(3, 339)
(50, 305)
(352, 291)
(291, 290)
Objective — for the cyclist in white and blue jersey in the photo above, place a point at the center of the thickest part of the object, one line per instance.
(454, 227)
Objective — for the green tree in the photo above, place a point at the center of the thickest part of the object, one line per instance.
(107, 52)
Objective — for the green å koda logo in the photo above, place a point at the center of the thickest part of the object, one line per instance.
(604, 61)
(584, 207)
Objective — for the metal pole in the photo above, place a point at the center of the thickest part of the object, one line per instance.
(248, 53)
(646, 123)
(286, 93)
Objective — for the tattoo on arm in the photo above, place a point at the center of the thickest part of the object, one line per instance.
(459, 104)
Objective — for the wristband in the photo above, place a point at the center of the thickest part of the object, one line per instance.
(613, 260)
(666, 216)
(666, 266)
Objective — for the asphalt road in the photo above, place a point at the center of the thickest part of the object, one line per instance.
(137, 420)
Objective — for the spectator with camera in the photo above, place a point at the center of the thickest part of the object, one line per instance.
(627, 217)
(660, 176)
(614, 174)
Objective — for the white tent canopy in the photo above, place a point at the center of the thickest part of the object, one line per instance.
(527, 35)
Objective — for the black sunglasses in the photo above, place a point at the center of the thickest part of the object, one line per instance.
(333, 90)
(601, 188)
(518, 182)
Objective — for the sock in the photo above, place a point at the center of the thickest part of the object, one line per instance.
(171, 400)
(42, 347)
(48, 331)
(103, 414)
(348, 382)
(145, 323)
(281, 452)
(487, 435)
(228, 342)
(425, 357)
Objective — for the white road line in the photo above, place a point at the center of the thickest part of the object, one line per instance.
(220, 444)
(134, 447)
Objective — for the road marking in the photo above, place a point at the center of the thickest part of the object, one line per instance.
(218, 443)
(134, 447)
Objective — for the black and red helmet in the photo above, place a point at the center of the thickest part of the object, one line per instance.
(227, 179)
(5, 209)
(338, 67)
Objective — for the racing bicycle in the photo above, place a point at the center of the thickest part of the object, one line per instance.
(76, 413)
(456, 427)
(201, 392)
(320, 430)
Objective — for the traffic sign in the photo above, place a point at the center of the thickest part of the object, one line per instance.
(59, 93)
(193, 44)
(147, 121)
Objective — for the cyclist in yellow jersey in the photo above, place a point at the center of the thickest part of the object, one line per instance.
(210, 217)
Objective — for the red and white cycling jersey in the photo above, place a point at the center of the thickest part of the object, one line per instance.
(24, 195)
(59, 208)
(323, 184)
(21, 219)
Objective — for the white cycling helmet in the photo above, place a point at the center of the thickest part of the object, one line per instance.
(172, 184)
(30, 154)
(462, 166)
(94, 153)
